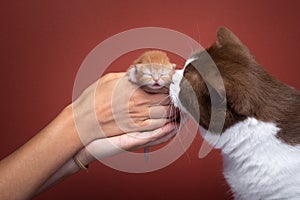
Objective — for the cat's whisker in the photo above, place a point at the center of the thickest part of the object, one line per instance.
(199, 40)
(190, 46)
(170, 112)
(185, 150)
(181, 144)
(187, 128)
(179, 112)
(183, 117)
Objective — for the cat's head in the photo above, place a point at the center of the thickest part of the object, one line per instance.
(227, 73)
(152, 70)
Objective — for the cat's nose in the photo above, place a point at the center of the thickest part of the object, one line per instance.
(156, 79)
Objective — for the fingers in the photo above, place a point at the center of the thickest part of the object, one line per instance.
(158, 116)
(158, 112)
(159, 99)
(112, 76)
(151, 124)
(113, 145)
(156, 137)
(167, 132)
(144, 138)
(161, 140)
(106, 147)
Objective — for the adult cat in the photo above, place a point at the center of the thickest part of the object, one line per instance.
(260, 139)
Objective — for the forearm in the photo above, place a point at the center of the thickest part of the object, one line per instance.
(46, 158)
(106, 147)
(24, 171)
(68, 169)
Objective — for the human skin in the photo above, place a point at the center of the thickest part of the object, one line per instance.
(47, 158)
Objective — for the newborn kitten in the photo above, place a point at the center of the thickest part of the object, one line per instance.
(260, 140)
(152, 70)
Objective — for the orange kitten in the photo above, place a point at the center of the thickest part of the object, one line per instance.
(152, 70)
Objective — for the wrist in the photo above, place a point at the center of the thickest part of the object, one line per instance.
(84, 157)
(66, 120)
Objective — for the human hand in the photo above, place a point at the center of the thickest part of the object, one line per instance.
(117, 106)
(106, 147)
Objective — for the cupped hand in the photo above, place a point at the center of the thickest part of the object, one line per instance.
(114, 106)
(106, 147)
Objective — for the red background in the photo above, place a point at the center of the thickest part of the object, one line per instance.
(43, 43)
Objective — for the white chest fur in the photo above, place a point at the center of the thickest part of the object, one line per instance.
(256, 164)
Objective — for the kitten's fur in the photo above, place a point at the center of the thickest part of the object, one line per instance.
(152, 70)
(260, 140)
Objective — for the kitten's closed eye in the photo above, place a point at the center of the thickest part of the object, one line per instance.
(147, 74)
(165, 74)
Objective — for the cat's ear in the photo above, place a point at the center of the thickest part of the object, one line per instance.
(226, 37)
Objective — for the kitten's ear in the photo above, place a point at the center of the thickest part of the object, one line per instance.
(138, 66)
(132, 74)
(225, 37)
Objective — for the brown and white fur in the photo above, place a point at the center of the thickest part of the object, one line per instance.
(260, 140)
(152, 70)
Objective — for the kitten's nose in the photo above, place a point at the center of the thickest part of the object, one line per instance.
(156, 78)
